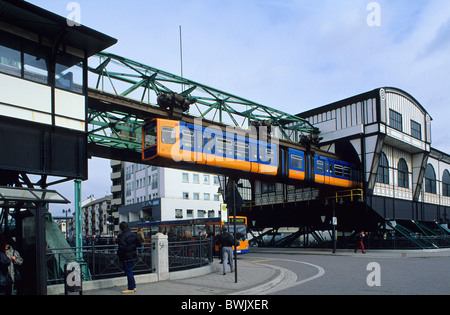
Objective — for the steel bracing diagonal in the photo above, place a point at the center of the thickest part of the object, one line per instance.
(128, 79)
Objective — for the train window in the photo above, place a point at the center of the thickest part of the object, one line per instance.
(270, 154)
(224, 146)
(262, 150)
(199, 142)
(338, 170)
(150, 134)
(241, 150)
(220, 146)
(229, 147)
(297, 161)
(254, 153)
(167, 135)
(209, 144)
(188, 139)
(320, 167)
(347, 172)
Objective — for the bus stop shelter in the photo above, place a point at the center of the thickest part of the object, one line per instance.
(29, 207)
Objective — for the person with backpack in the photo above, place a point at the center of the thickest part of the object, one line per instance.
(226, 241)
(360, 242)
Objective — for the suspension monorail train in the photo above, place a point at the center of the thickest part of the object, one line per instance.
(172, 143)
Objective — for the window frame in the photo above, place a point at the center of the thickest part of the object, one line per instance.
(395, 120)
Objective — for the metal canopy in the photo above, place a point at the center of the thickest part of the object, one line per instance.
(29, 197)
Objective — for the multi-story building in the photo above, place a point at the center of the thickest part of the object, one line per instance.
(149, 193)
(94, 217)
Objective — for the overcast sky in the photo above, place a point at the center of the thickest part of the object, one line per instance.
(293, 55)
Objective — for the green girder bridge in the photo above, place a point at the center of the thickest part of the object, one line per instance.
(123, 95)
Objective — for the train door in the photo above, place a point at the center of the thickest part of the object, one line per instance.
(328, 172)
(187, 142)
(200, 158)
(253, 156)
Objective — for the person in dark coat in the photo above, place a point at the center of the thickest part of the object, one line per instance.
(128, 243)
(6, 281)
(227, 242)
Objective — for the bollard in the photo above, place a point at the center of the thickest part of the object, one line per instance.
(160, 256)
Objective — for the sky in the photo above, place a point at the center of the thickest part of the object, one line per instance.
(292, 55)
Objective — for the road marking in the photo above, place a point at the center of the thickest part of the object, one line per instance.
(257, 261)
(318, 275)
(290, 284)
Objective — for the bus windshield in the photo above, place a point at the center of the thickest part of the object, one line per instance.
(241, 231)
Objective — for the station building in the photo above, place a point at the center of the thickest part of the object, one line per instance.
(387, 133)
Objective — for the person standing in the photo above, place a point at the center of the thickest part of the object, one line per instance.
(360, 242)
(16, 260)
(226, 241)
(6, 282)
(128, 243)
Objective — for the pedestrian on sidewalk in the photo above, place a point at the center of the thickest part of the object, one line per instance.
(360, 242)
(128, 243)
(16, 260)
(6, 282)
(226, 241)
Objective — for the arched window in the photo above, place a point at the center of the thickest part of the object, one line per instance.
(403, 178)
(430, 179)
(446, 184)
(383, 170)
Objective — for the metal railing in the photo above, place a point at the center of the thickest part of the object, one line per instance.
(395, 242)
(102, 262)
(413, 242)
(190, 254)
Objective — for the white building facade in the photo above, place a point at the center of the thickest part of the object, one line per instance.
(152, 193)
(388, 132)
(94, 217)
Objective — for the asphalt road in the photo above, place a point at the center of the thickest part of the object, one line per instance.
(357, 274)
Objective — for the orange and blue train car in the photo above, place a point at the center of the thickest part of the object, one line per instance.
(334, 172)
(170, 142)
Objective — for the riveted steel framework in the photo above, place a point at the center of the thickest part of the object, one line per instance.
(132, 80)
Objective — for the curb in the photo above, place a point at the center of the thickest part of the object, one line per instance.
(58, 289)
(273, 282)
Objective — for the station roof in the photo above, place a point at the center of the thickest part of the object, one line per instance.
(361, 97)
(34, 19)
(28, 197)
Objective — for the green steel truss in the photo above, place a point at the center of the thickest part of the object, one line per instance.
(114, 129)
(129, 79)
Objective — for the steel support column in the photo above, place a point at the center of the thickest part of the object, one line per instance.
(78, 231)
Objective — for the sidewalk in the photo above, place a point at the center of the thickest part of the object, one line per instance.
(253, 278)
